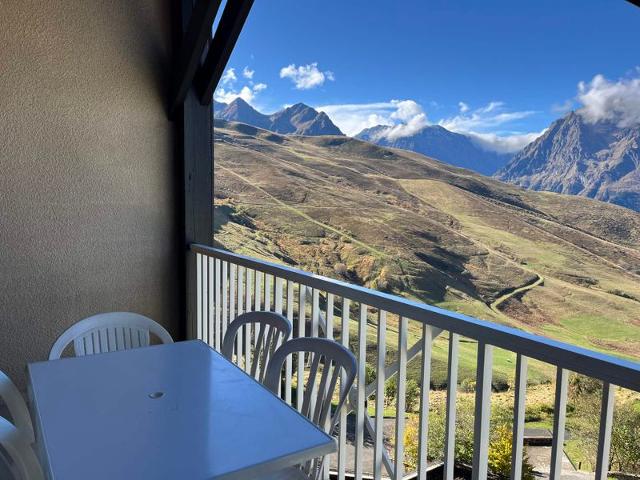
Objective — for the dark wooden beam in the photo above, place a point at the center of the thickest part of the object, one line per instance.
(197, 33)
(227, 33)
(635, 2)
(196, 156)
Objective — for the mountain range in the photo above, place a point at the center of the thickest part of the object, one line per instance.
(598, 160)
(398, 221)
(438, 142)
(298, 119)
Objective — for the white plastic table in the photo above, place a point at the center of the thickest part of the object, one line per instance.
(178, 411)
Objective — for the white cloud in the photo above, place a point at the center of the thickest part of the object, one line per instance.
(407, 117)
(305, 77)
(508, 143)
(482, 123)
(229, 76)
(618, 101)
(352, 118)
(483, 119)
(247, 93)
(247, 73)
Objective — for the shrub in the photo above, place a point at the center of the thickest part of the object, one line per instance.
(468, 385)
(500, 454)
(413, 395)
(499, 447)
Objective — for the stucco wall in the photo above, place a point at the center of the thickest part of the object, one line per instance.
(87, 192)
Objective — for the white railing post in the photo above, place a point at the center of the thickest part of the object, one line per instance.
(288, 364)
(450, 421)
(423, 435)
(519, 402)
(482, 412)
(379, 425)
(559, 417)
(211, 303)
(342, 437)
(401, 392)
(360, 398)
(604, 435)
(198, 296)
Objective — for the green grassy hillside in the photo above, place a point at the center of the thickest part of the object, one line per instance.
(565, 267)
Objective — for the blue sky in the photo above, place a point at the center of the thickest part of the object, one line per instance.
(501, 70)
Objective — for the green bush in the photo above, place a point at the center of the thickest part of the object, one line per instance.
(468, 385)
(499, 447)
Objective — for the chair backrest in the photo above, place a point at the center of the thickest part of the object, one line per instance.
(316, 404)
(270, 330)
(109, 332)
(24, 461)
(18, 410)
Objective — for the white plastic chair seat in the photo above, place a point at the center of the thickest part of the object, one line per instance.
(24, 460)
(10, 395)
(109, 332)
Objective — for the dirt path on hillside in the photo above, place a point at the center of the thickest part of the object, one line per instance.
(495, 304)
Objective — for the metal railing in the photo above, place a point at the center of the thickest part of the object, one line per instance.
(228, 284)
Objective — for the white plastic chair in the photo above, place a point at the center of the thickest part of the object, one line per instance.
(23, 460)
(273, 327)
(316, 404)
(17, 407)
(109, 332)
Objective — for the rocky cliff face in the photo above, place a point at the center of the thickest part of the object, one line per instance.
(597, 160)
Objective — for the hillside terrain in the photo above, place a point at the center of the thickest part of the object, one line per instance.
(438, 142)
(563, 266)
(597, 160)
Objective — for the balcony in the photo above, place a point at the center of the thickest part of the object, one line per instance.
(390, 333)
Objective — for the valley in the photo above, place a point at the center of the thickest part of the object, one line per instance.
(566, 267)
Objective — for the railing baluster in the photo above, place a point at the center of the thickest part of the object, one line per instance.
(427, 347)
(301, 324)
(329, 335)
(342, 439)
(225, 297)
(205, 296)
(362, 383)
(232, 291)
(315, 312)
(401, 392)
(559, 417)
(288, 366)
(267, 292)
(218, 317)
(257, 292)
(452, 393)
(380, 379)
(257, 303)
(198, 296)
(240, 334)
(211, 304)
(519, 402)
(315, 319)
(482, 412)
(248, 329)
(604, 435)
(278, 296)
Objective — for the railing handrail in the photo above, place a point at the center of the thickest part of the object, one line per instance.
(608, 368)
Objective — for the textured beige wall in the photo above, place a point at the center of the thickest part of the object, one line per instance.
(87, 190)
